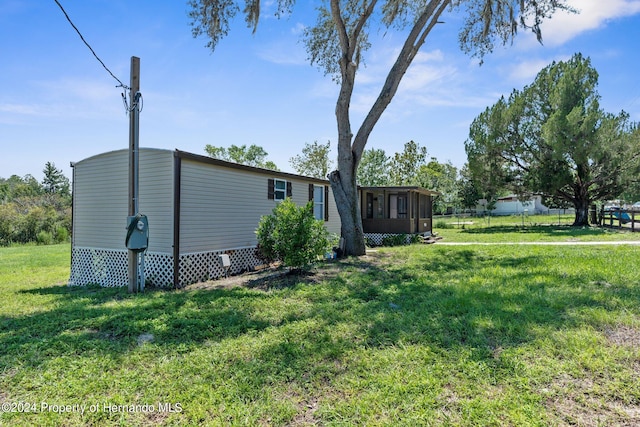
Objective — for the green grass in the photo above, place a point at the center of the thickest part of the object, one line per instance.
(539, 228)
(504, 220)
(417, 335)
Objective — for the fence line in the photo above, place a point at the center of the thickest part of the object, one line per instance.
(619, 218)
(625, 219)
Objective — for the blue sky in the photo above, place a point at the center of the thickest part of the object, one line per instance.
(58, 104)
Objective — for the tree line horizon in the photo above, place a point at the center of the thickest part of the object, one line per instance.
(550, 138)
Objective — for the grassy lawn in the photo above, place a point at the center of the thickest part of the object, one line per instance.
(539, 228)
(416, 335)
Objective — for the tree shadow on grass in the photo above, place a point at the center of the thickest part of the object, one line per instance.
(448, 307)
(448, 299)
(110, 321)
(396, 304)
(445, 306)
(451, 303)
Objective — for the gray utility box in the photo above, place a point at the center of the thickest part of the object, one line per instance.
(137, 233)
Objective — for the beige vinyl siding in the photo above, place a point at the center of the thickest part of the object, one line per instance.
(101, 199)
(156, 197)
(221, 206)
(333, 225)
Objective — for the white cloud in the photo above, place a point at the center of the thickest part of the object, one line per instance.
(298, 29)
(427, 69)
(78, 89)
(436, 80)
(20, 113)
(324, 88)
(433, 80)
(593, 14)
(20, 109)
(524, 72)
(65, 99)
(283, 52)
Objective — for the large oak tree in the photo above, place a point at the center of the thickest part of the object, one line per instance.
(552, 138)
(338, 41)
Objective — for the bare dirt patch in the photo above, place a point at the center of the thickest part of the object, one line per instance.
(277, 277)
(577, 401)
(623, 336)
(580, 401)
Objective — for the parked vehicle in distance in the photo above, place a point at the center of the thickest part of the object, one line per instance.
(618, 213)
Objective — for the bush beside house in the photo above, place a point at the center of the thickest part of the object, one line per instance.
(292, 235)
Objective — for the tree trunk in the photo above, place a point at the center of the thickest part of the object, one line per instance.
(582, 212)
(350, 149)
(345, 193)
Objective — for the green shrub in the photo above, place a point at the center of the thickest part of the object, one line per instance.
(61, 234)
(443, 225)
(267, 239)
(22, 219)
(415, 238)
(394, 240)
(8, 221)
(292, 235)
(44, 238)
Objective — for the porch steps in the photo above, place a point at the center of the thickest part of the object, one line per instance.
(430, 238)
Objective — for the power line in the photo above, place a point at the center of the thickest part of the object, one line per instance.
(90, 48)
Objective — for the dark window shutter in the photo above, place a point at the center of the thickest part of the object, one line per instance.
(270, 189)
(289, 191)
(310, 192)
(326, 203)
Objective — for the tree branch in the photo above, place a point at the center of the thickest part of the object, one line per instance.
(425, 22)
(357, 29)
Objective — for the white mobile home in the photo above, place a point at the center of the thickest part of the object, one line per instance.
(198, 208)
(513, 205)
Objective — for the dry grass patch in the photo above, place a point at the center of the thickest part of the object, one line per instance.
(623, 336)
(579, 401)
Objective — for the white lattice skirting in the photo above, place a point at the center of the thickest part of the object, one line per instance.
(201, 266)
(109, 268)
(376, 239)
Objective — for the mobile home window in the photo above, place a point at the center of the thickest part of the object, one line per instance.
(369, 205)
(423, 206)
(319, 195)
(402, 205)
(398, 205)
(318, 202)
(278, 189)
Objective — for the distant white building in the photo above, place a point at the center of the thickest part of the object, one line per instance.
(512, 205)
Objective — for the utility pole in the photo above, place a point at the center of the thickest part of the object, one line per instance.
(134, 158)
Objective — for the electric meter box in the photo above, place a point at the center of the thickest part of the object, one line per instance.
(137, 233)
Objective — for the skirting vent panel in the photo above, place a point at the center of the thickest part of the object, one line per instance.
(201, 266)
